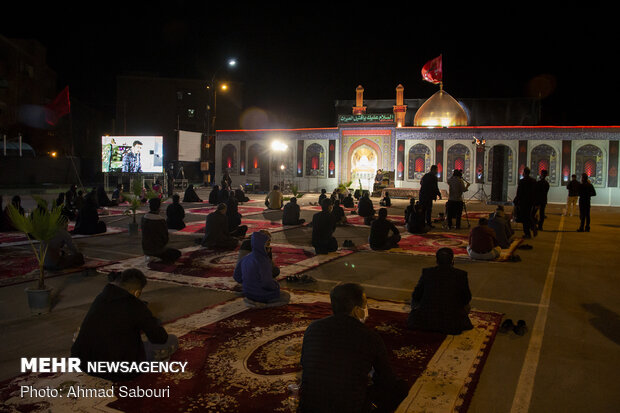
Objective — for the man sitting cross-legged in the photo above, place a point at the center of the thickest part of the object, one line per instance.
(255, 273)
(291, 212)
(345, 364)
(483, 243)
(61, 251)
(440, 300)
(323, 227)
(155, 234)
(112, 327)
(217, 234)
(380, 238)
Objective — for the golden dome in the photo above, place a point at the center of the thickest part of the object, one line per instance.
(440, 110)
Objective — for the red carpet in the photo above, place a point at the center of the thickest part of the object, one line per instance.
(429, 243)
(18, 265)
(241, 360)
(359, 221)
(253, 226)
(243, 210)
(19, 238)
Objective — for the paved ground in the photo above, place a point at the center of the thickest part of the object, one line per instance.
(565, 288)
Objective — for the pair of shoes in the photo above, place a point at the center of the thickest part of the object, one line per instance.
(580, 230)
(519, 329)
(348, 243)
(525, 247)
(506, 326)
(527, 237)
(587, 229)
(303, 279)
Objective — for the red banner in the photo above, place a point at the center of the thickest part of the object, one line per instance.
(432, 71)
(59, 107)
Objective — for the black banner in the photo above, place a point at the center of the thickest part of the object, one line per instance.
(439, 159)
(300, 158)
(612, 172)
(400, 160)
(332, 159)
(522, 157)
(566, 168)
(242, 158)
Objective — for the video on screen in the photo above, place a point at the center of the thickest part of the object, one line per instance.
(132, 154)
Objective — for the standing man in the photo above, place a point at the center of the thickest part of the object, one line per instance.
(345, 364)
(573, 195)
(131, 160)
(429, 191)
(454, 206)
(540, 198)
(524, 203)
(586, 191)
(170, 176)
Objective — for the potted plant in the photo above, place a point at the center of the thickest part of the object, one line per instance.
(40, 227)
(135, 198)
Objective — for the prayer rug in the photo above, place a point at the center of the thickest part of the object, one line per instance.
(253, 226)
(14, 238)
(242, 360)
(18, 265)
(429, 243)
(243, 210)
(356, 220)
(209, 268)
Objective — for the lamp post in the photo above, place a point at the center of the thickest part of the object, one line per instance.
(210, 126)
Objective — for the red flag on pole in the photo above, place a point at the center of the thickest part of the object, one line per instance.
(432, 71)
(59, 107)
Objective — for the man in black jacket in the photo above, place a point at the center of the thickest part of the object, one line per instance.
(155, 234)
(429, 191)
(112, 327)
(338, 355)
(540, 197)
(323, 227)
(365, 209)
(524, 203)
(380, 237)
(217, 234)
(440, 300)
(586, 191)
(291, 212)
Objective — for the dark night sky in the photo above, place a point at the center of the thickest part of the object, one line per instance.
(295, 64)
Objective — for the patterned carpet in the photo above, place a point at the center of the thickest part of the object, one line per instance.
(241, 360)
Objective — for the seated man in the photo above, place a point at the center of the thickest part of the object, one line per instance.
(175, 214)
(323, 227)
(416, 220)
(240, 195)
(61, 251)
(290, 213)
(501, 225)
(112, 327)
(217, 234)
(274, 198)
(409, 209)
(483, 242)
(348, 202)
(386, 201)
(246, 247)
(155, 234)
(322, 196)
(345, 364)
(234, 219)
(214, 195)
(365, 209)
(255, 273)
(380, 228)
(87, 221)
(117, 195)
(440, 300)
(338, 213)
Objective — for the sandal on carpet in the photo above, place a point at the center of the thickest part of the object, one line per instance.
(506, 326)
(292, 278)
(306, 279)
(520, 329)
(525, 247)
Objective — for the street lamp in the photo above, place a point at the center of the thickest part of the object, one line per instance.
(210, 126)
(279, 148)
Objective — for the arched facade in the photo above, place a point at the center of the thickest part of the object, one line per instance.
(419, 161)
(459, 157)
(229, 158)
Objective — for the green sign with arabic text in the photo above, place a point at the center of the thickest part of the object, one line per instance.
(367, 118)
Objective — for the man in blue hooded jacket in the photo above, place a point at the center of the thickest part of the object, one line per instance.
(254, 273)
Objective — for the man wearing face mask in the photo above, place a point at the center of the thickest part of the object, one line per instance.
(440, 300)
(112, 327)
(345, 363)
